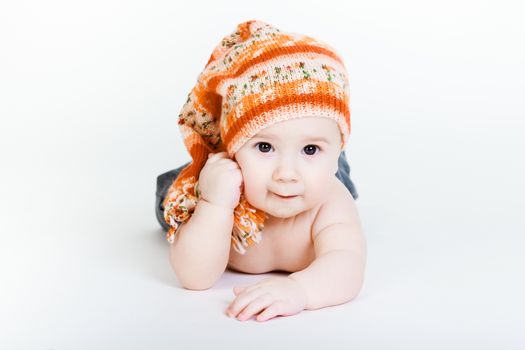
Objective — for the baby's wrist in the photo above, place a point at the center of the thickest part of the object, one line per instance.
(223, 207)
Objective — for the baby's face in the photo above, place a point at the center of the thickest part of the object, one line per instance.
(290, 159)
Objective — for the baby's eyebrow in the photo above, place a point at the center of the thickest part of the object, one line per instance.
(316, 139)
(305, 138)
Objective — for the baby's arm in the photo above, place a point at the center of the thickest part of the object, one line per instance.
(337, 274)
(334, 277)
(200, 252)
(199, 255)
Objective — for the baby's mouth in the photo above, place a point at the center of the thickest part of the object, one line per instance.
(284, 197)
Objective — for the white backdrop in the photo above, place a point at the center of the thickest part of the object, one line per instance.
(89, 98)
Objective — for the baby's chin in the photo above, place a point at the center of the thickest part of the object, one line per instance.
(285, 211)
(282, 210)
(273, 216)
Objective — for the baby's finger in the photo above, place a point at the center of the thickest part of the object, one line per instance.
(213, 157)
(248, 289)
(221, 154)
(270, 312)
(241, 301)
(219, 158)
(238, 290)
(233, 165)
(256, 306)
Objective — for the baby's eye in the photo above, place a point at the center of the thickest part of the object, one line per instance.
(264, 146)
(310, 149)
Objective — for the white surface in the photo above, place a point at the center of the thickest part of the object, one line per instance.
(90, 93)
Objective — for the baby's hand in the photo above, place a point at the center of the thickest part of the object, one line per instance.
(220, 181)
(273, 296)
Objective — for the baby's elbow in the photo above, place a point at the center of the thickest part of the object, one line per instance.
(356, 286)
(196, 286)
(194, 281)
(190, 276)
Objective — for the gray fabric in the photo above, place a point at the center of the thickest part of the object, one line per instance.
(165, 180)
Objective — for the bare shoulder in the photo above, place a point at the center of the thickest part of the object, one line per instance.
(337, 225)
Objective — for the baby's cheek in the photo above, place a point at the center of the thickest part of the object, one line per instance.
(250, 191)
(256, 194)
(315, 194)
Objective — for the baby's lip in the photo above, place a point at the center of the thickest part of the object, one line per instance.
(284, 196)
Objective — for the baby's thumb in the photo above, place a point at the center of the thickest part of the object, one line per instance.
(238, 290)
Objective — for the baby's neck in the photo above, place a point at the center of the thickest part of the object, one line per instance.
(274, 220)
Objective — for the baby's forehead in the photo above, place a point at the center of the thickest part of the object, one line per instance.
(305, 127)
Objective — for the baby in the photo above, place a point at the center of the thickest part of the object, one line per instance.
(266, 126)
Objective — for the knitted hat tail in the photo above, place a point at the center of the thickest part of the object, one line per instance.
(199, 139)
(199, 124)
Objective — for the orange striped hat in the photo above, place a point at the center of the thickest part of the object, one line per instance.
(255, 77)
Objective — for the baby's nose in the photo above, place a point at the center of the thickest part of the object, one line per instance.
(285, 172)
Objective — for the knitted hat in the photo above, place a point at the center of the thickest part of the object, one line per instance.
(255, 77)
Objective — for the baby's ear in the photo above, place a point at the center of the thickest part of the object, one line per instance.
(336, 163)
